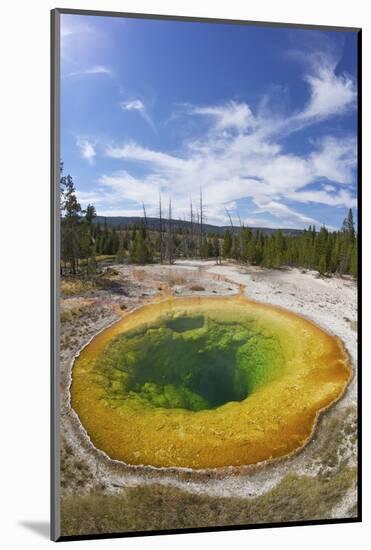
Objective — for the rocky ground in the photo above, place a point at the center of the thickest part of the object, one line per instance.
(330, 457)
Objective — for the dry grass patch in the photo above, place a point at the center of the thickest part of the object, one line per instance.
(74, 308)
(158, 507)
(74, 473)
(76, 287)
(330, 452)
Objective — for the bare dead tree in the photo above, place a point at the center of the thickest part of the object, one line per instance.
(230, 220)
(169, 243)
(197, 224)
(241, 235)
(144, 215)
(161, 231)
(192, 225)
(201, 223)
(232, 227)
(185, 237)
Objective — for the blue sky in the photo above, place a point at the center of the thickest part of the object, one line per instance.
(262, 119)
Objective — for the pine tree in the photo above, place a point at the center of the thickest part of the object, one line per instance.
(139, 253)
(335, 254)
(322, 267)
(321, 248)
(71, 209)
(120, 256)
(90, 213)
(354, 261)
(278, 246)
(210, 249)
(268, 253)
(348, 226)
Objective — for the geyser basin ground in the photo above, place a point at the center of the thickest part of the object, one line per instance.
(206, 383)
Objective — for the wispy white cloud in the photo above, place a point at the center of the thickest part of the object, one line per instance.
(87, 149)
(72, 26)
(89, 197)
(322, 196)
(76, 36)
(97, 69)
(331, 93)
(126, 212)
(230, 115)
(241, 161)
(66, 31)
(134, 105)
(234, 168)
(138, 106)
(284, 212)
(335, 159)
(132, 151)
(122, 184)
(83, 48)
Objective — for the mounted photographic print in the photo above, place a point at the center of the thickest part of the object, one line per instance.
(205, 229)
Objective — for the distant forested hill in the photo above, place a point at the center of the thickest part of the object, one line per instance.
(122, 222)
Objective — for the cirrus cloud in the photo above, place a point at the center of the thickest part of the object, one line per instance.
(138, 106)
(242, 161)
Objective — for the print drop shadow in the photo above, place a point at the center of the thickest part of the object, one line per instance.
(41, 528)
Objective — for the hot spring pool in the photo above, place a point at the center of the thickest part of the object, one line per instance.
(206, 383)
